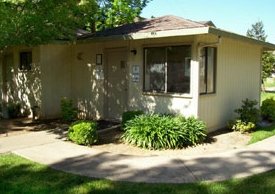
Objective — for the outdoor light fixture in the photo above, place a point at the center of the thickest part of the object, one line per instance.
(134, 51)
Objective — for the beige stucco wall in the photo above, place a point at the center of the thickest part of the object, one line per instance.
(238, 78)
(89, 92)
(18, 86)
(56, 62)
(62, 70)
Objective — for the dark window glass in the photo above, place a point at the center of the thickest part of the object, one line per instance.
(26, 60)
(167, 69)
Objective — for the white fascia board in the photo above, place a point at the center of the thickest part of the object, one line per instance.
(170, 33)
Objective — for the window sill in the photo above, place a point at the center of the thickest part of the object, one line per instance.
(207, 94)
(177, 95)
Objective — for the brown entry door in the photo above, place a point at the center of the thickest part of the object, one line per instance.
(116, 83)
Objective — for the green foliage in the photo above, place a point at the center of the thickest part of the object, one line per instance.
(35, 22)
(248, 112)
(164, 131)
(14, 110)
(268, 58)
(242, 126)
(113, 13)
(248, 117)
(268, 64)
(67, 110)
(129, 115)
(257, 31)
(83, 132)
(268, 109)
(262, 133)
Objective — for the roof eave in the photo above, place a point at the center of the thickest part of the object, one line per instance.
(149, 35)
(265, 45)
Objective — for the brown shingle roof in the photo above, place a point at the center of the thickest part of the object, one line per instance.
(164, 23)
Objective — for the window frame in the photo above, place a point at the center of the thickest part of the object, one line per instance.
(206, 71)
(165, 92)
(29, 66)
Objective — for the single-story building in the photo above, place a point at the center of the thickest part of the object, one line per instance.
(160, 65)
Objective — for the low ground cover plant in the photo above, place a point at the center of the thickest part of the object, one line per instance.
(247, 118)
(83, 132)
(14, 110)
(128, 115)
(158, 132)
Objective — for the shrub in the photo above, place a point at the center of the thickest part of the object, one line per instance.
(14, 110)
(248, 117)
(83, 132)
(67, 110)
(128, 115)
(242, 126)
(163, 131)
(268, 109)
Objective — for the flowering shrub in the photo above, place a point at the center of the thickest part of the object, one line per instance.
(248, 117)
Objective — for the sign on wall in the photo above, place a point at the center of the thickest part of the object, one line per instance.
(135, 74)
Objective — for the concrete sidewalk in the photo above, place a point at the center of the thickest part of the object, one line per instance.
(50, 149)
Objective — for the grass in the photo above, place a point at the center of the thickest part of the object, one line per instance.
(262, 133)
(19, 175)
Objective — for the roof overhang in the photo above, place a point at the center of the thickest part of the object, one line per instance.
(182, 32)
(266, 45)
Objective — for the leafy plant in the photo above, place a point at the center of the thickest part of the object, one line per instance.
(83, 132)
(248, 117)
(128, 115)
(268, 109)
(14, 110)
(67, 110)
(163, 131)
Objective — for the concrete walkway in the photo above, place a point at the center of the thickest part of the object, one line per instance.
(51, 149)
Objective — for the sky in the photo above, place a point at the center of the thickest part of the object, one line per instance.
(231, 15)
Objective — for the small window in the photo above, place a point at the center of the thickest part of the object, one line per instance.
(26, 61)
(207, 70)
(167, 69)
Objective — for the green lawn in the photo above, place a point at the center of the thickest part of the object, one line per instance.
(267, 95)
(19, 175)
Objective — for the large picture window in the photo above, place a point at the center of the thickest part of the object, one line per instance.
(167, 69)
(207, 70)
(26, 60)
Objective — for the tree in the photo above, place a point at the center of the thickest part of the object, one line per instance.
(33, 22)
(257, 31)
(268, 64)
(268, 58)
(113, 13)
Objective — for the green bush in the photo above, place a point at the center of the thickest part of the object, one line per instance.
(129, 115)
(248, 117)
(164, 131)
(14, 110)
(83, 132)
(67, 110)
(268, 109)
